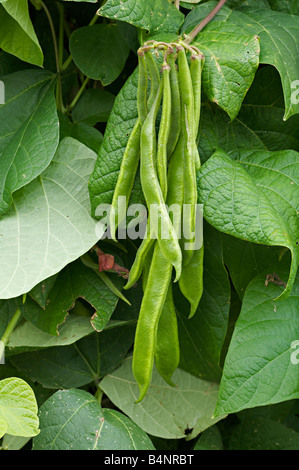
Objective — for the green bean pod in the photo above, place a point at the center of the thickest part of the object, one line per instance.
(191, 280)
(159, 278)
(154, 76)
(137, 266)
(190, 198)
(167, 350)
(142, 88)
(126, 177)
(196, 66)
(175, 119)
(164, 129)
(152, 191)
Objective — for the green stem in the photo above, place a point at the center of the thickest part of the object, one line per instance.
(59, 103)
(78, 95)
(191, 36)
(10, 327)
(99, 395)
(61, 34)
(66, 63)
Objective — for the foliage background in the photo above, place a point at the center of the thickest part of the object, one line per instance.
(70, 104)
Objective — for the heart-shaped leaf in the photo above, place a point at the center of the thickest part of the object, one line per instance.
(74, 420)
(231, 61)
(99, 51)
(18, 408)
(31, 134)
(261, 364)
(152, 15)
(50, 224)
(17, 35)
(255, 199)
(168, 412)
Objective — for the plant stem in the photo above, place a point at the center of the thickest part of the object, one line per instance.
(98, 395)
(177, 4)
(61, 34)
(190, 37)
(53, 34)
(78, 95)
(10, 327)
(56, 52)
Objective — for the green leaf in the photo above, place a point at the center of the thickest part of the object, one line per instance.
(285, 6)
(152, 15)
(74, 281)
(86, 134)
(231, 61)
(94, 106)
(209, 440)
(263, 434)
(100, 429)
(31, 134)
(167, 412)
(78, 364)
(254, 199)
(17, 34)
(202, 336)
(259, 124)
(246, 260)
(61, 228)
(18, 408)
(278, 33)
(28, 337)
(3, 427)
(99, 51)
(261, 365)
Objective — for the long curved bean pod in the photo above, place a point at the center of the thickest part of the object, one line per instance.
(152, 191)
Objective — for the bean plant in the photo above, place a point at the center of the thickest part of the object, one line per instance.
(149, 225)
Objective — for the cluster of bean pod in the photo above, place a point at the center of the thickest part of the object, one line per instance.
(167, 153)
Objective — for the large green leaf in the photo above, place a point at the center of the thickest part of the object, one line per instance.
(17, 34)
(262, 433)
(286, 6)
(74, 420)
(28, 337)
(259, 124)
(279, 36)
(99, 51)
(153, 15)
(261, 364)
(18, 408)
(255, 198)
(50, 224)
(231, 60)
(31, 131)
(94, 106)
(245, 260)
(74, 281)
(78, 364)
(168, 412)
